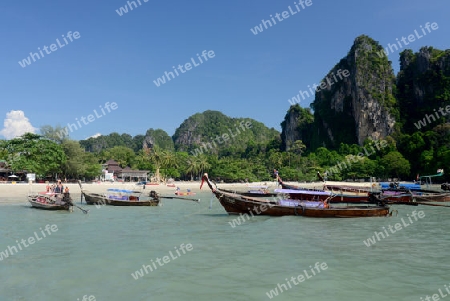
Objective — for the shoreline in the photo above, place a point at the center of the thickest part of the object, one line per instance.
(18, 192)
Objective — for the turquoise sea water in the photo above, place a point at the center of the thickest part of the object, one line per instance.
(95, 255)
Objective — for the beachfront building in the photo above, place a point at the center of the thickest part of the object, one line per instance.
(112, 171)
(4, 171)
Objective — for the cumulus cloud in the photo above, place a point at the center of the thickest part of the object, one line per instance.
(16, 124)
(94, 136)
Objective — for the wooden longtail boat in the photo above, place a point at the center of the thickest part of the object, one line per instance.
(50, 201)
(419, 194)
(252, 193)
(300, 194)
(238, 204)
(339, 196)
(432, 197)
(350, 195)
(397, 196)
(125, 197)
(93, 198)
(415, 195)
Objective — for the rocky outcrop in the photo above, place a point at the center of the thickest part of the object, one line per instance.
(297, 125)
(423, 84)
(355, 100)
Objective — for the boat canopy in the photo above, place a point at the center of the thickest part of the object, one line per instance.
(122, 190)
(294, 191)
(412, 186)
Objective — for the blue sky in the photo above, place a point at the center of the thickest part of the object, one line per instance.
(117, 58)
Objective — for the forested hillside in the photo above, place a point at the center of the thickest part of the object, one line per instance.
(364, 122)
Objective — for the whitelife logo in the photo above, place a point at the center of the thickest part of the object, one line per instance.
(86, 120)
(411, 38)
(279, 289)
(371, 240)
(26, 62)
(188, 66)
(166, 259)
(327, 83)
(11, 250)
(284, 15)
(123, 10)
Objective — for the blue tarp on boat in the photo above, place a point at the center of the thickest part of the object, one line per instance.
(412, 186)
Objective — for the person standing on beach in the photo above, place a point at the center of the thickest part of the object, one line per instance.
(275, 174)
(59, 187)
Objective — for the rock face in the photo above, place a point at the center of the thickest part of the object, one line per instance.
(423, 84)
(297, 125)
(355, 100)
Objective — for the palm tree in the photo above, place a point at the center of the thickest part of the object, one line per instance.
(158, 158)
(203, 164)
(171, 160)
(193, 167)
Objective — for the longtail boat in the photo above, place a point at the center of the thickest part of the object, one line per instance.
(93, 198)
(125, 197)
(50, 201)
(339, 196)
(420, 195)
(253, 193)
(431, 197)
(239, 204)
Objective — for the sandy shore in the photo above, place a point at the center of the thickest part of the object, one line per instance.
(17, 193)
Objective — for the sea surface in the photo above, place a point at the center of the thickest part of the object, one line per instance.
(94, 255)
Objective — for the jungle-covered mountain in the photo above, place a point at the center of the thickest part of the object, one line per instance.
(213, 126)
(410, 109)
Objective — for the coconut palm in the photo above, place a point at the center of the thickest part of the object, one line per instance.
(158, 158)
(193, 167)
(203, 164)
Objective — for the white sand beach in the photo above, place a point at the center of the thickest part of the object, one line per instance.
(17, 193)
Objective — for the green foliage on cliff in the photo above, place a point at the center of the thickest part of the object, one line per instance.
(423, 86)
(420, 141)
(223, 135)
(303, 119)
(159, 138)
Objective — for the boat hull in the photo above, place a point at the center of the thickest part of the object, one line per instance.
(131, 203)
(236, 204)
(39, 203)
(445, 197)
(93, 198)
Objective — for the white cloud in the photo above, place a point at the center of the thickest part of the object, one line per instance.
(94, 136)
(16, 124)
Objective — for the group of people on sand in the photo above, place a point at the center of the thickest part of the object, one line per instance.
(57, 188)
(63, 195)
